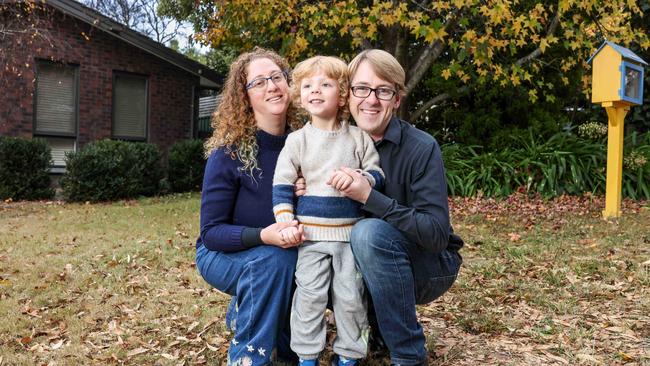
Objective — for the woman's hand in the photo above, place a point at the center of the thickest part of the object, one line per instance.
(283, 234)
(300, 185)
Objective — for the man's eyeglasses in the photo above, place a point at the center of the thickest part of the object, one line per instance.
(381, 92)
(277, 78)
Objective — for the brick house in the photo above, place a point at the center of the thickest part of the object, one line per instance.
(85, 77)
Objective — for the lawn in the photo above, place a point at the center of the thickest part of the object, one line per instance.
(544, 282)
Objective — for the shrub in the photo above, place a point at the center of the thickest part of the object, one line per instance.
(561, 164)
(110, 170)
(24, 169)
(186, 166)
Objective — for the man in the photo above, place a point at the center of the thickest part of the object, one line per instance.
(407, 253)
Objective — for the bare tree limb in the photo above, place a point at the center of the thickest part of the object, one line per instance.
(140, 15)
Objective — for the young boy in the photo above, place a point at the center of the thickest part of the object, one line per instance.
(318, 150)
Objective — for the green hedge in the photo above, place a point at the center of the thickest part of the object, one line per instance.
(110, 170)
(24, 169)
(565, 163)
(186, 165)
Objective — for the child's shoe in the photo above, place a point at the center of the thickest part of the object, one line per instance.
(346, 361)
(313, 362)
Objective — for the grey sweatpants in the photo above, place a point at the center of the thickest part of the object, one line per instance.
(323, 265)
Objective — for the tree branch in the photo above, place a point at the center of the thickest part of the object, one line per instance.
(430, 53)
(442, 97)
(434, 101)
(533, 55)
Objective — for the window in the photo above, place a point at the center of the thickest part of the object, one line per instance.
(631, 83)
(56, 109)
(60, 146)
(56, 100)
(130, 100)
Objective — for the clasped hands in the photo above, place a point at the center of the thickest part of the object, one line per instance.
(351, 183)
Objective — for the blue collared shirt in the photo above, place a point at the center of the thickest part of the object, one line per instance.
(415, 195)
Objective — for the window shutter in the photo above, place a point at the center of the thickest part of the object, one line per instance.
(56, 107)
(130, 106)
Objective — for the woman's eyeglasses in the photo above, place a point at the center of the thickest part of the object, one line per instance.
(277, 78)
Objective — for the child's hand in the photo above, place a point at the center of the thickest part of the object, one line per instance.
(293, 235)
(359, 189)
(340, 180)
(271, 235)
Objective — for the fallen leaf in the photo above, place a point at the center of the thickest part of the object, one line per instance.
(625, 356)
(56, 345)
(586, 357)
(192, 326)
(137, 351)
(168, 356)
(514, 237)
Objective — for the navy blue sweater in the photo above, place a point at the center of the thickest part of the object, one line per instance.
(234, 207)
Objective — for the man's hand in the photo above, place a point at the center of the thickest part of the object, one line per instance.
(359, 189)
(275, 234)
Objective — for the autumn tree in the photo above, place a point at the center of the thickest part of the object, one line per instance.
(510, 42)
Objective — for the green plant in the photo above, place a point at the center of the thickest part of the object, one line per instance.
(186, 165)
(562, 164)
(110, 170)
(24, 169)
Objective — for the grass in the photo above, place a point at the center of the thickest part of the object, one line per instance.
(543, 282)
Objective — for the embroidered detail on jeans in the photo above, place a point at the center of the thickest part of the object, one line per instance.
(244, 361)
(234, 341)
(261, 351)
(250, 348)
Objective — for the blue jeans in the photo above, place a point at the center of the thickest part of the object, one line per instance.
(399, 274)
(260, 279)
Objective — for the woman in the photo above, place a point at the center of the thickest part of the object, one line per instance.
(240, 250)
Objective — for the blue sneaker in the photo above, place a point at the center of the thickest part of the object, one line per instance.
(302, 362)
(346, 361)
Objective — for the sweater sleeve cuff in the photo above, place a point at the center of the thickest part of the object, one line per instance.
(251, 237)
(377, 203)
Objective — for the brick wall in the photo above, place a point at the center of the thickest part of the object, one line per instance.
(97, 54)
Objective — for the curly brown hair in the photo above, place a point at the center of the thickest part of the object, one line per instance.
(234, 121)
(331, 66)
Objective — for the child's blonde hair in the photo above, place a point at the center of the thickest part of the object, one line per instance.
(334, 68)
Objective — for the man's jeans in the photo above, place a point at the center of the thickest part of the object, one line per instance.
(260, 279)
(399, 274)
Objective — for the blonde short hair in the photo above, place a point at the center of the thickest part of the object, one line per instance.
(384, 65)
(334, 68)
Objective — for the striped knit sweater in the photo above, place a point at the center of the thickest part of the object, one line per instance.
(324, 212)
